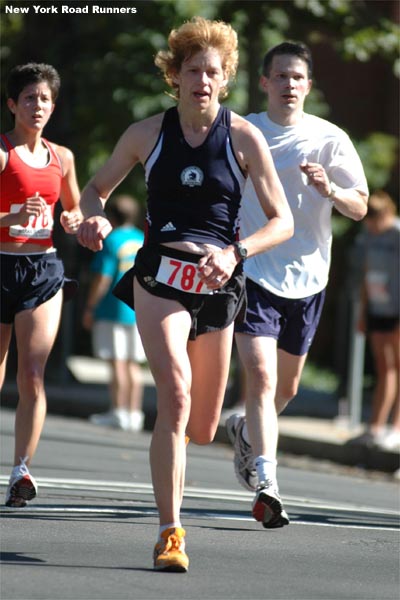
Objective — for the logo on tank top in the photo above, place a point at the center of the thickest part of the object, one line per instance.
(192, 176)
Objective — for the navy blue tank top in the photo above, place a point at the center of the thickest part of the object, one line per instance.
(194, 194)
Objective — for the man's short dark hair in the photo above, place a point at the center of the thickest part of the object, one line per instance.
(295, 49)
(23, 75)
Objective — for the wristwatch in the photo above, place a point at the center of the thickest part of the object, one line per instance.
(241, 250)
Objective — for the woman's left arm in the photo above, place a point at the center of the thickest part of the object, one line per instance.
(255, 158)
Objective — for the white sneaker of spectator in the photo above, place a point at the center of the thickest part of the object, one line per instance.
(118, 418)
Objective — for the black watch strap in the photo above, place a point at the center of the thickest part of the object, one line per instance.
(241, 250)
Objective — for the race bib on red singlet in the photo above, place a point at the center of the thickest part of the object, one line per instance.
(181, 275)
(37, 228)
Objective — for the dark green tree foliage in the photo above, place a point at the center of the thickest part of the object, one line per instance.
(109, 78)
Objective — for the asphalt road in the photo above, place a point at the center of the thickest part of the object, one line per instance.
(90, 533)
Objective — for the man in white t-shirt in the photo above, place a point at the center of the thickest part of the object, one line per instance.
(319, 169)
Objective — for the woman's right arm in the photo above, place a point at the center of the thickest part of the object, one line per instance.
(134, 146)
(96, 226)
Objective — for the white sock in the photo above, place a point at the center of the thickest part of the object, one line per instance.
(266, 468)
(168, 526)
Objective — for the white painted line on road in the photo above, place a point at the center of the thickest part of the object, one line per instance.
(314, 503)
(130, 487)
(88, 510)
(132, 512)
(309, 523)
(119, 487)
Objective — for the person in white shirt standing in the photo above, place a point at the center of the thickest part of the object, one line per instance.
(319, 169)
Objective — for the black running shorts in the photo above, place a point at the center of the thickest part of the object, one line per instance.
(382, 324)
(30, 280)
(209, 312)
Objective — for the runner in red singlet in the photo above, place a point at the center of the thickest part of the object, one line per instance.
(34, 174)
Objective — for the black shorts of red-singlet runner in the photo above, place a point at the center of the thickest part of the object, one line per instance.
(29, 280)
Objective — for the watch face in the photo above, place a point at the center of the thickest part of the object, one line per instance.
(242, 251)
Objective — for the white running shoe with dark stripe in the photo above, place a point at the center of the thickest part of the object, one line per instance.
(243, 460)
(268, 507)
(22, 487)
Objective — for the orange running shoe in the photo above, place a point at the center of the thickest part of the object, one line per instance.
(169, 552)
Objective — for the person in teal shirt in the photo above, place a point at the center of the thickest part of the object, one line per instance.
(115, 337)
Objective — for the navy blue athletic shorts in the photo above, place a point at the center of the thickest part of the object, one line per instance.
(209, 312)
(30, 280)
(292, 322)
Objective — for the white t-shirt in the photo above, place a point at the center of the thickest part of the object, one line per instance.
(300, 266)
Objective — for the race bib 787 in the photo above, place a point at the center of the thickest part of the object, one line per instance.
(181, 275)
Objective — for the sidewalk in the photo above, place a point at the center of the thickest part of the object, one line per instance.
(308, 427)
